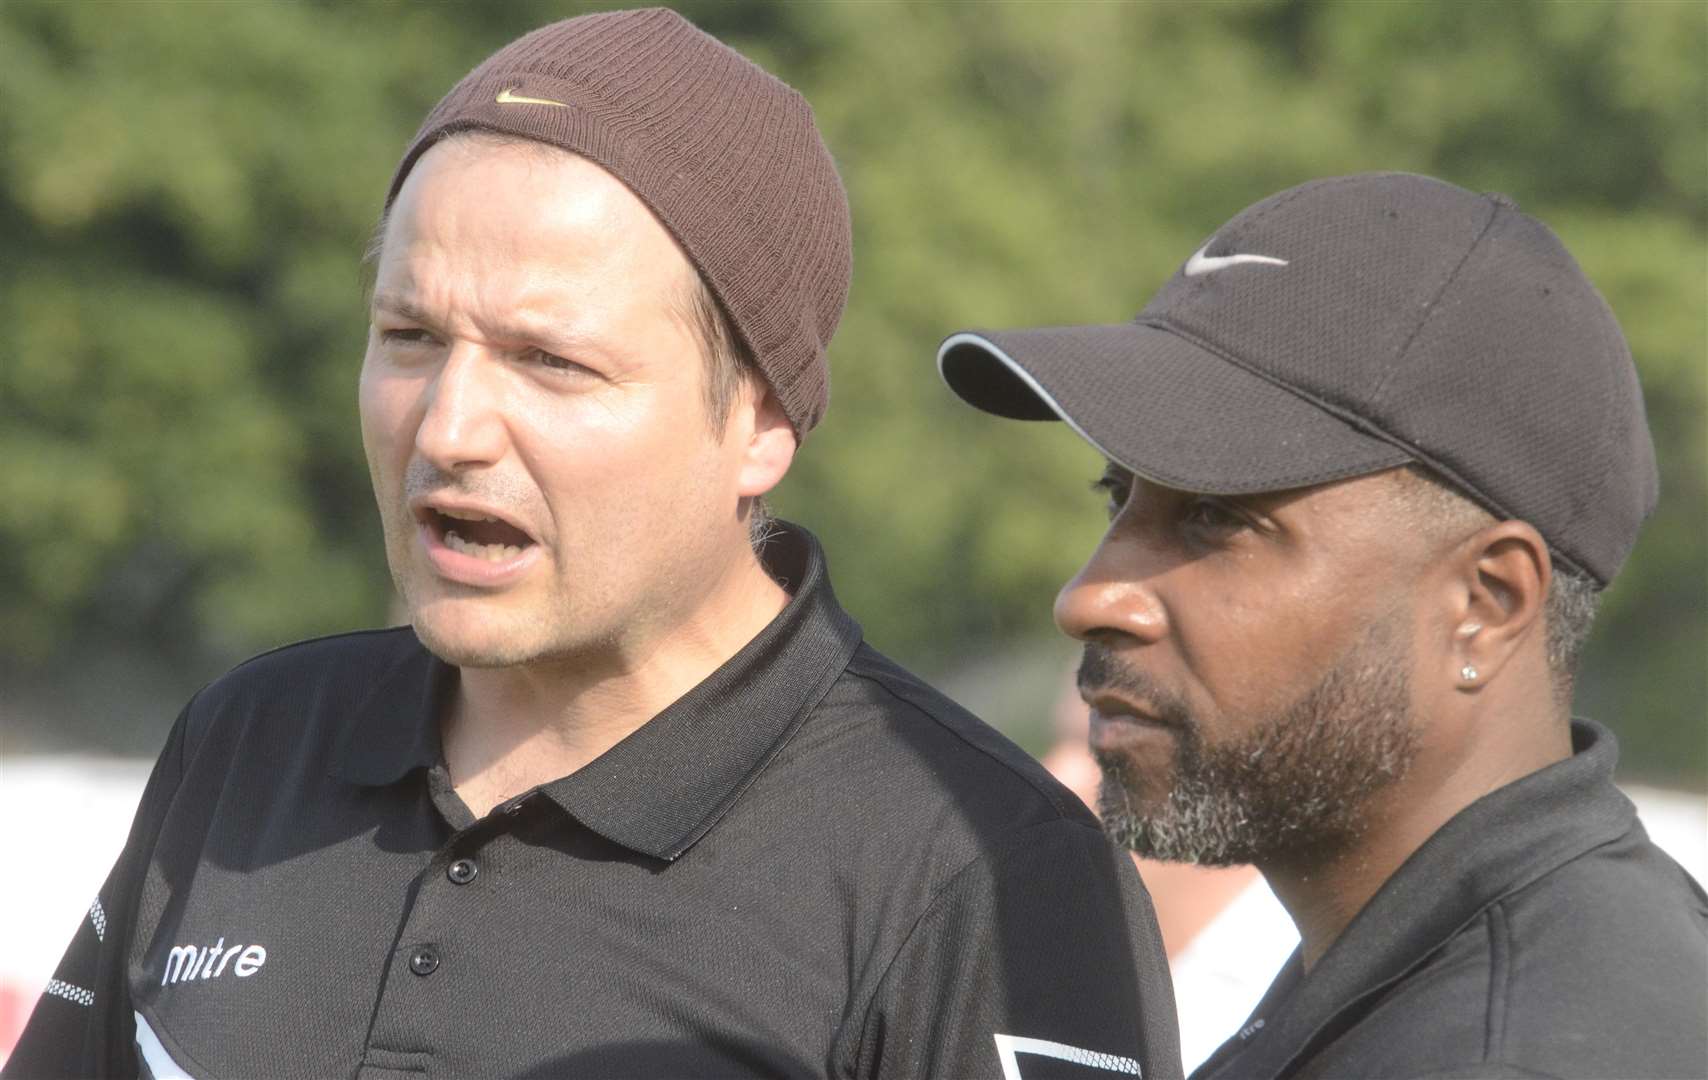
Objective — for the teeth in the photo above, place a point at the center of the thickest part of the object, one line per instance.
(464, 515)
(489, 552)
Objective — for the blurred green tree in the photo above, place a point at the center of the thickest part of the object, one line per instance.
(185, 190)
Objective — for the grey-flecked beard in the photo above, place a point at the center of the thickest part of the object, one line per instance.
(1294, 780)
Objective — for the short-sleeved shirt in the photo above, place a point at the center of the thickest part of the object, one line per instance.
(810, 864)
(1539, 933)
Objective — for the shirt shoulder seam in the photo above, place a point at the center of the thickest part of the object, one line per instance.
(1050, 797)
(323, 638)
(233, 680)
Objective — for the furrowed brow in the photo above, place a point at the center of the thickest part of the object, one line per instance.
(540, 331)
(401, 306)
(548, 335)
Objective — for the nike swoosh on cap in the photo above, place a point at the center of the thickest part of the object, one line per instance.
(1200, 263)
(508, 96)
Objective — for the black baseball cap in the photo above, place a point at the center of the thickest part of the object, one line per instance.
(1351, 325)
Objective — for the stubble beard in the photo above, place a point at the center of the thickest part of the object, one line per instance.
(1296, 780)
(501, 638)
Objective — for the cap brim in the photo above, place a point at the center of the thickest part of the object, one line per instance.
(1163, 406)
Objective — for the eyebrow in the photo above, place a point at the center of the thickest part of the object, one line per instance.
(1258, 501)
(400, 306)
(549, 334)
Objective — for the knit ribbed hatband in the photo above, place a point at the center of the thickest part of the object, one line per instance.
(726, 155)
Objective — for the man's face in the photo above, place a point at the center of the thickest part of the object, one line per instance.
(1247, 663)
(533, 412)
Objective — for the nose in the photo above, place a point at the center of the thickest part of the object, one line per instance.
(1113, 595)
(462, 426)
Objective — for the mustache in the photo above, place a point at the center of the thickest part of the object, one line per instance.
(1100, 670)
(423, 478)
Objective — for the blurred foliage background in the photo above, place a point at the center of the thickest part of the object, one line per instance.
(186, 188)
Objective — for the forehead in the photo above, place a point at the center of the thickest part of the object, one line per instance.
(496, 218)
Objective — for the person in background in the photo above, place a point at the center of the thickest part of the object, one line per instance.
(630, 796)
(1372, 453)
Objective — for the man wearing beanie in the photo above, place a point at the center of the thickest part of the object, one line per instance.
(630, 797)
(1372, 453)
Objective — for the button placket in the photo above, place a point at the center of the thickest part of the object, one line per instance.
(441, 914)
(431, 954)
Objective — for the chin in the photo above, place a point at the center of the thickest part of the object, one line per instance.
(469, 650)
(1126, 791)
(474, 639)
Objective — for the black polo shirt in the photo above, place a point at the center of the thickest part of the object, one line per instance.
(1537, 934)
(811, 864)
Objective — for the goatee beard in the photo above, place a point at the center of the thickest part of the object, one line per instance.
(1295, 780)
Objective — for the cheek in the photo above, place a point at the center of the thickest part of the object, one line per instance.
(388, 405)
(637, 454)
(1252, 646)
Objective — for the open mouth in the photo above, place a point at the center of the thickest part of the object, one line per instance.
(477, 535)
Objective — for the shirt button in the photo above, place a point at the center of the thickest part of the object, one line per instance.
(424, 961)
(462, 871)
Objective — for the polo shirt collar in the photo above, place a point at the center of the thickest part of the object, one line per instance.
(395, 729)
(669, 782)
(1499, 844)
(666, 784)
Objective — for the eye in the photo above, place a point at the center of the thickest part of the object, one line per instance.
(1207, 513)
(406, 335)
(551, 361)
(1115, 486)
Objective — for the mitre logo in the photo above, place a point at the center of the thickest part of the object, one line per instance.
(187, 963)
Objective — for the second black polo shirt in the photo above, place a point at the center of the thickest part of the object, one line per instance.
(1539, 933)
(811, 864)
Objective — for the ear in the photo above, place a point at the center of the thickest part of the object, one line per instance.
(769, 441)
(1502, 585)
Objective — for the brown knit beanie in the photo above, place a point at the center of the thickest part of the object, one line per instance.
(725, 155)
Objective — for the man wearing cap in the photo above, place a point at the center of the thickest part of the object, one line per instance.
(1372, 453)
(631, 797)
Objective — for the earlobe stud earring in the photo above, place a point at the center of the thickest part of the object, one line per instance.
(1468, 673)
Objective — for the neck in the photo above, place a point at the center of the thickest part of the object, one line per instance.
(1323, 892)
(1479, 747)
(513, 728)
